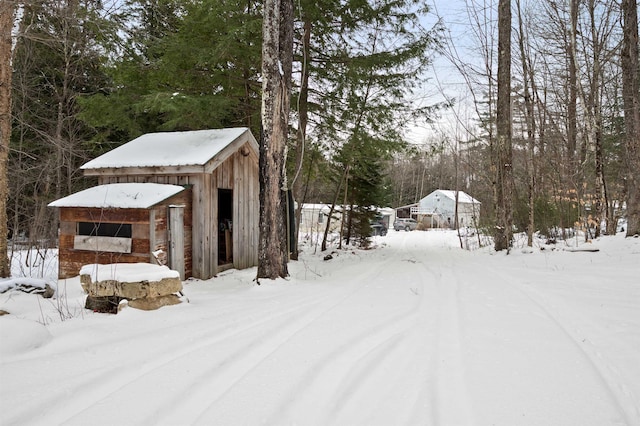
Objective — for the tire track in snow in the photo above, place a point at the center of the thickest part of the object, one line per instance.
(626, 401)
(619, 394)
(97, 387)
(214, 326)
(452, 389)
(296, 329)
(412, 350)
(216, 382)
(334, 379)
(291, 398)
(450, 394)
(338, 385)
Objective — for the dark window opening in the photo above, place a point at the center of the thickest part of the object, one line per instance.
(105, 229)
(225, 226)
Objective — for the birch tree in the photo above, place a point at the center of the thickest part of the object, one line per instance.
(277, 59)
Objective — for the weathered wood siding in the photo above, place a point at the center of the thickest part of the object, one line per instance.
(70, 260)
(237, 172)
(240, 174)
(245, 210)
(158, 227)
(195, 215)
(148, 233)
(203, 229)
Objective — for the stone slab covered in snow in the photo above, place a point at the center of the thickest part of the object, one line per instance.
(145, 286)
(128, 272)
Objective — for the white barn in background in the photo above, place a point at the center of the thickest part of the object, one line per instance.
(439, 207)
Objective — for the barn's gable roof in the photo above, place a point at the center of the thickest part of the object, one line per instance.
(120, 195)
(191, 151)
(463, 197)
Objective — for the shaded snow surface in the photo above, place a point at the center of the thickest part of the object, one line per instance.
(415, 332)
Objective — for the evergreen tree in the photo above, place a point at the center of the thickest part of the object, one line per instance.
(363, 60)
(185, 66)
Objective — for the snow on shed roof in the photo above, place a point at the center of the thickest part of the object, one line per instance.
(192, 148)
(120, 195)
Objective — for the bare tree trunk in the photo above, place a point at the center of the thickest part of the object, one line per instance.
(344, 211)
(303, 118)
(455, 210)
(345, 175)
(572, 132)
(601, 200)
(574, 174)
(349, 222)
(595, 96)
(400, 196)
(503, 154)
(456, 220)
(530, 126)
(631, 95)
(424, 173)
(6, 24)
(304, 189)
(277, 58)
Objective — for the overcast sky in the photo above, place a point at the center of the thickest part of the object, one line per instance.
(445, 82)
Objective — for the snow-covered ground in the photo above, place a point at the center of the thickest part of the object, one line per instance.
(414, 332)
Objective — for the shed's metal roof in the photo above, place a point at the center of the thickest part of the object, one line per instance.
(120, 195)
(170, 149)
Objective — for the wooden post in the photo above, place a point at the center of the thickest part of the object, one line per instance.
(176, 239)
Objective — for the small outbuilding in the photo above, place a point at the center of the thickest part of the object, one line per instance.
(125, 223)
(193, 195)
(313, 218)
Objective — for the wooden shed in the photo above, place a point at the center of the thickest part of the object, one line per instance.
(219, 169)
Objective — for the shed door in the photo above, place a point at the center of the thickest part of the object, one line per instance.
(176, 239)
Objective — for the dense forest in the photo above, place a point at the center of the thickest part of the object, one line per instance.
(90, 75)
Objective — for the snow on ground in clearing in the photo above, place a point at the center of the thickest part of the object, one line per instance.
(414, 332)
